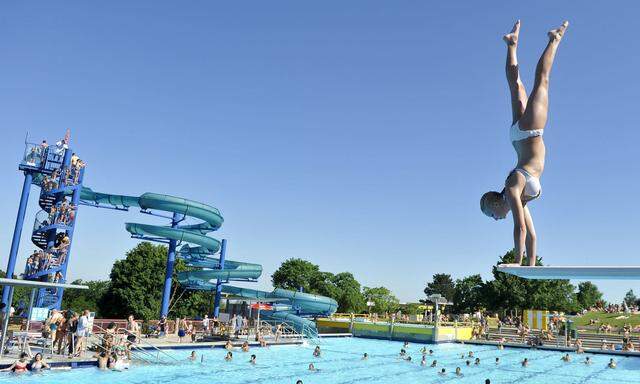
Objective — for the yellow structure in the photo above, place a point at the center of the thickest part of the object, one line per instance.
(536, 319)
(362, 327)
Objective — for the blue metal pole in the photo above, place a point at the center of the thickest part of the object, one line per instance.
(168, 276)
(216, 304)
(17, 232)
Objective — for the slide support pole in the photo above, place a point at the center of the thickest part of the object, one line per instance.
(17, 232)
(216, 304)
(168, 276)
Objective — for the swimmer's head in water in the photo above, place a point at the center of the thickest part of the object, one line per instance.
(494, 205)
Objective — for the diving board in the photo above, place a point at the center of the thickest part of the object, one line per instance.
(573, 272)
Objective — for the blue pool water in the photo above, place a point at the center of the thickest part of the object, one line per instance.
(341, 363)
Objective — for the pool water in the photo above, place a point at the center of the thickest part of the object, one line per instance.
(341, 363)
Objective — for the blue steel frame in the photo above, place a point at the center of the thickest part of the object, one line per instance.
(17, 232)
(48, 162)
(219, 283)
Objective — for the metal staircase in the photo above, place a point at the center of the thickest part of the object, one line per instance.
(60, 184)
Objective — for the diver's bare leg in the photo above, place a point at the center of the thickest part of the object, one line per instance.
(516, 88)
(535, 115)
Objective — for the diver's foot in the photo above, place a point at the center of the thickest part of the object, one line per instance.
(511, 38)
(556, 34)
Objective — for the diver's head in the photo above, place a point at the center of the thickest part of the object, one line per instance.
(494, 204)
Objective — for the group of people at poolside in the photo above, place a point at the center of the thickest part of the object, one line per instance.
(68, 331)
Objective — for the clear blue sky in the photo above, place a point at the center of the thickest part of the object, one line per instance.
(358, 135)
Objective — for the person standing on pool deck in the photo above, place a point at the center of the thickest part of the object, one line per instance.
(529, 120)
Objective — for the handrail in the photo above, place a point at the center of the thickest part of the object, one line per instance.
(144, 352)
(146, 360)
(140, 340)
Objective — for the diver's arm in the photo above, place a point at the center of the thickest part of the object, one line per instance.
(512, 194)
(531, 241)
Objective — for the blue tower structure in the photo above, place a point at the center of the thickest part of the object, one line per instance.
(59, 175)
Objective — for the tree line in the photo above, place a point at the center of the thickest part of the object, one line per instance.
(135, 287)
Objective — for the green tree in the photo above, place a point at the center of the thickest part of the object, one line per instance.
(467, 295)
(630, 298)
(385, 301)
(442, 284)
(295, 274)
(507, 292)
(137, 282)
(343, 287)
(80, 299)
(349, 295)
(588, 295)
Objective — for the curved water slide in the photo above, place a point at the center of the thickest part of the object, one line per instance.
(287, 306)
(198, 250)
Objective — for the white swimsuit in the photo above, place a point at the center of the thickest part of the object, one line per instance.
(518, 134)
(532, 187)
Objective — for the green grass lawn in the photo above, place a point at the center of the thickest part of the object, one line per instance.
(607, 318)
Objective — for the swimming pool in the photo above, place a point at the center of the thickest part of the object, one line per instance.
(341, 363)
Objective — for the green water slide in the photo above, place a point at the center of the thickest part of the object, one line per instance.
(189, 233)
(198, 250)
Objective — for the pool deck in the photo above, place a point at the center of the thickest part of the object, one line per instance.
(552, 348)
(63, 362)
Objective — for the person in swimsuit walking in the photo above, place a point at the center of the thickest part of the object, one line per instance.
(529, 119)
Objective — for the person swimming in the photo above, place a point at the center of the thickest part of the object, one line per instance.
(316, 351)
(477, 362)
(566, 358)
(245, 347)
(423, 362)
(365, 356)
(403, 353)
(529, 118)
(229, 356)
(434, 363)
(612, 364)
(443, 372)
(470, 354)
(497, 360)
(525, 362)
(253, 359)
(313, 368)
(459, 371)
(193, 356)
(468, 362)
(587, 360)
